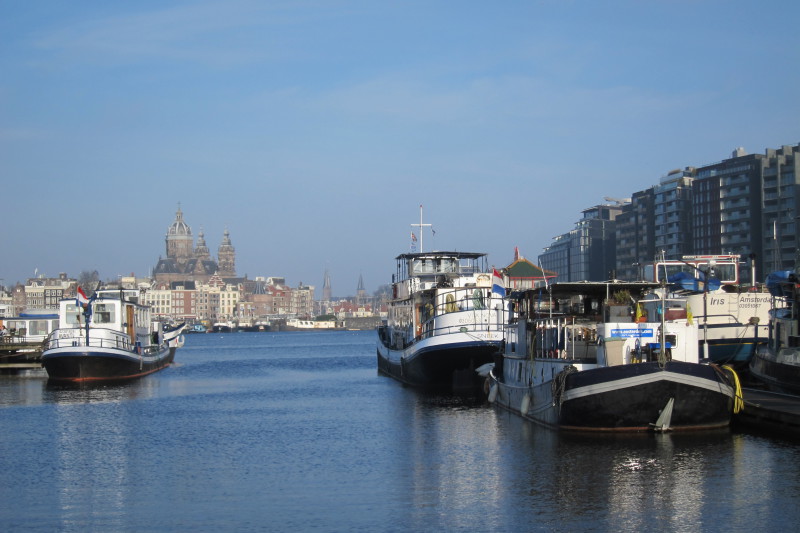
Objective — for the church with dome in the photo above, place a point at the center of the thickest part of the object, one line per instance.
(186, 261)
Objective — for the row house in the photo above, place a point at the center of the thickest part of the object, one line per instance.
(45, 293)
(350, 309)
(190, 300)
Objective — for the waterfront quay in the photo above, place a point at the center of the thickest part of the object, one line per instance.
(770, 412)
(18, 355)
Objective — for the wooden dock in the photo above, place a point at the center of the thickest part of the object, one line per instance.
(771, 412)
(17, 356)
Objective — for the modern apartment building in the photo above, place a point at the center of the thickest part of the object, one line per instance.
(588, 252)
(748, 205)
(635, 235)
(780, 209)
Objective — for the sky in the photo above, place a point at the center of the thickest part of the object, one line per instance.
(313, 130)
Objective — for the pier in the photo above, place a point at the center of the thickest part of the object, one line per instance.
(17, 355)
(771, 412)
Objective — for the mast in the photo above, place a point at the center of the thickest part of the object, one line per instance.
(420, 226)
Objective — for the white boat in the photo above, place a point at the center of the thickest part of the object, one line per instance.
(27, 332)
(306, 325)
(594, 369)
(108, 337)
(732, 317)
(446, 317)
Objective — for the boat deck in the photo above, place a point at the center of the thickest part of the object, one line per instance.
(770, 411)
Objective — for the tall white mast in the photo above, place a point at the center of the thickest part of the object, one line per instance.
(420, 226)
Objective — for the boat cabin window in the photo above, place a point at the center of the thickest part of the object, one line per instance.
(18, 327)
(103, 314)
(426, 266)
(73, 313)
(36, 327)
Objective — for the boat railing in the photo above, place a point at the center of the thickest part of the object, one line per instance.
(110, 339)
(563, 338)
(21, 339)
(465, 327)
(472, 320)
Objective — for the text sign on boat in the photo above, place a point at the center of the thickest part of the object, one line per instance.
(632, 332)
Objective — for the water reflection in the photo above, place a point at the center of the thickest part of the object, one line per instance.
(259, 440)
(60, 393)
(453, 443)
(93, 452)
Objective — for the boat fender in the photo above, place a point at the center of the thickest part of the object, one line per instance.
(477, 299)
(181, 340)
(487, 385)
(526, 403)
(493, 393)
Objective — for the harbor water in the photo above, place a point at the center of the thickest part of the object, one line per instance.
(296, 431)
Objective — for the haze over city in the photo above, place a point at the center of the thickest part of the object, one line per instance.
(312, 131)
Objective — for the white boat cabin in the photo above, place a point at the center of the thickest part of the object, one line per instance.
(112, 316)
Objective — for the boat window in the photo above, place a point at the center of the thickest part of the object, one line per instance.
(15, 324)
(37, 327)
(725, 272)
(103, 314)
(73, 313)
(448, 265)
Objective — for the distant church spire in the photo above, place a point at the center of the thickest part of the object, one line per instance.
(201, 251)
(326, 287)
(227, 256)
(361, 293)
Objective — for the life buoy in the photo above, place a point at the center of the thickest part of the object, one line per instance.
(450, 305)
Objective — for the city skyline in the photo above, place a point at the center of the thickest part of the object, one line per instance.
(313, 132)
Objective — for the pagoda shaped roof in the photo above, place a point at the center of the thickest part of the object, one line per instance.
(522, 268)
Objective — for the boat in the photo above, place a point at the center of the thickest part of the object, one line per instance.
(580, 359)
(732, 316)
(297, 324)
(109, 337)
(25, 334)
(446, 317)
(196, 328)
(776, 363)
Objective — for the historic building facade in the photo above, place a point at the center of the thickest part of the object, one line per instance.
(186, 261)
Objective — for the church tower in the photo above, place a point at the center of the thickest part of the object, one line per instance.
(361, 293)
(326, 287)
(201, 251)
(227, 257)
(179, 240)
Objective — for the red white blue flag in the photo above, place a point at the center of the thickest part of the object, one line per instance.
(497, 284)
(81, 299)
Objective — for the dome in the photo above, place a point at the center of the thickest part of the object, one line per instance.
(179, 227)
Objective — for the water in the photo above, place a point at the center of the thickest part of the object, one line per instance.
(297, 432)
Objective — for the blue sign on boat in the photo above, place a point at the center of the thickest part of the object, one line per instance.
(632, 332)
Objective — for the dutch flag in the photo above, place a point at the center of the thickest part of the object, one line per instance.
(80, 299)
(497, 284)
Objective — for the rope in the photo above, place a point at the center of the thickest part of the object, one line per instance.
(559, 383)
(738, 400)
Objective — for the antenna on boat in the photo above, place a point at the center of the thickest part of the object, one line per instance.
(420, 226)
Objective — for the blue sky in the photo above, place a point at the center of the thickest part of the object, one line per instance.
(313, 130)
